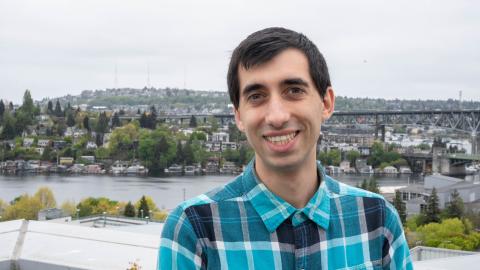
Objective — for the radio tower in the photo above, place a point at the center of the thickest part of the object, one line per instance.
(460, 99)
(115, 82)
(148, 75)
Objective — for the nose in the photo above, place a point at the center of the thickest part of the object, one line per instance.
(278, 113)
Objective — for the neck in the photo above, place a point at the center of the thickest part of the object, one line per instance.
(296, 187)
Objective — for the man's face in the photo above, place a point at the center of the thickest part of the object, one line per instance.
(281, 111)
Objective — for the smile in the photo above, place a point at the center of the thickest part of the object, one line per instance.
(281, 140)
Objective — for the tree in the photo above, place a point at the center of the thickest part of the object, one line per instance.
(70, 119)
(129, 210)
(400, 206)
(115, 121)
(455, 208)
(157, 150)
(8, 131)
(2, 108)
(69, 208)
(193, 122)
(432, 213)
(102, 123)
(451, 234)
(179, 157)
(151, 204)
(373, 186)
(143, 209)
(46, 197)
(352, 156)
(144, 120)
(27, 105)
(86, 123)
(122, 141)
(58, 109)
(49, 108)
(23, 207)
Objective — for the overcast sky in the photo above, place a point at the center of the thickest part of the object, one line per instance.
(403, 49)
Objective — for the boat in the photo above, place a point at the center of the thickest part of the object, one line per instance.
(189, 170)
(136, 170)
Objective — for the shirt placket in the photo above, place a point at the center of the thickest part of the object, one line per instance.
(300, 234)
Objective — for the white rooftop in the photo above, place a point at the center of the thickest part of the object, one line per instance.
(45, 245)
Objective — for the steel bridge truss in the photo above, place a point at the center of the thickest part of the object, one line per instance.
(461, 120)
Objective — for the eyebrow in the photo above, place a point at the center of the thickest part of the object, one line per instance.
(251, 88)
(295, 81)
(256, 86)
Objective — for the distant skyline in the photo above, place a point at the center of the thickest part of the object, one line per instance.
(405, 50)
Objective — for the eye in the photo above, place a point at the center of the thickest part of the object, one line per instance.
(295, 91)
(255, 98)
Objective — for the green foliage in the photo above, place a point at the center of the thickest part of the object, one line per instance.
(379, 157)
(58, 109)
(70, 119)
(8, 131)
(198, 136)
(456, 208)
(102, 153)
(352, 156)
(450, 233)
(129, 210)
(370, 185)
(157, 150)
(193, 122)
(143, 209)
(400, 206)
(23, 207)
(432, 214)
(116, 120)
(122, 141)
(86, 123)
(332, 157)
(96, 206)
(102, 123)
(45, 197)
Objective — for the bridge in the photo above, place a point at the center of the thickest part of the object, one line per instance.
(467, 121)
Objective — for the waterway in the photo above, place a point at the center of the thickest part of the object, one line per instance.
(166, 192)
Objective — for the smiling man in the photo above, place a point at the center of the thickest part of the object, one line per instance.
(283, 212)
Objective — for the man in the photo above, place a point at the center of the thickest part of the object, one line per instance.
(283, 212)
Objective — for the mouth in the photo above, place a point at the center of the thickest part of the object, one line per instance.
(282, 139)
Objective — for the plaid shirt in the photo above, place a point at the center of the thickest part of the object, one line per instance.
(243, 225)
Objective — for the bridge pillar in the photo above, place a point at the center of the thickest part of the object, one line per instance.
(475, 143)
(380, 128)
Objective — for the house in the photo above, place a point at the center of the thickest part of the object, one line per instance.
(59, 144)
(345, 167)
(416, 196)
(91, 145)
(27, 142)
(66, 161)
(228, 145)
(390, 170)
(220, 137)
(43, 143)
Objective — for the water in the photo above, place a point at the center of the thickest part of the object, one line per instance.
(166, 192)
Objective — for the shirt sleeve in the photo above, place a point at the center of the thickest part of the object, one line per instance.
(396, 254)
(179, 244)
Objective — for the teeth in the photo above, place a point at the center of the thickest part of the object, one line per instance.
(284, 139)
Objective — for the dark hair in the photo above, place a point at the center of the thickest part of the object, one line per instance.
(261, 46)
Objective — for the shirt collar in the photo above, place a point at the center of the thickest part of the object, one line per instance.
(274, 210)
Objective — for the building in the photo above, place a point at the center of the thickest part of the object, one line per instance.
(416, 196)
(43, 143)
(27, 142)
(31, 245)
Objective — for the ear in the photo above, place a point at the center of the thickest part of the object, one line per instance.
(238, 120)
(328, 103)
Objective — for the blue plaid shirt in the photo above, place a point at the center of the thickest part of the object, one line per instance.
(243, 225)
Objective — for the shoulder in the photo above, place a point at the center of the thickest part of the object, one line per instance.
(189, 209)
(352, 199)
